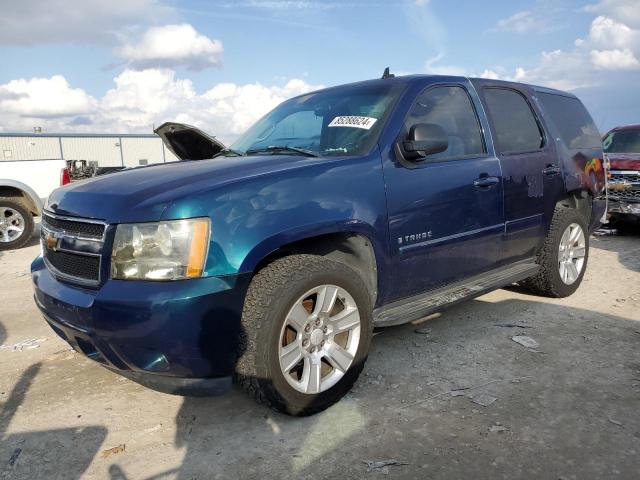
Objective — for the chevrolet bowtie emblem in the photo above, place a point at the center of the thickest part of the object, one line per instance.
(51, 241)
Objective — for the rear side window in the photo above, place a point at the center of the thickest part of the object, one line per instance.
(516, 128)
(450, 107)
(571, 120)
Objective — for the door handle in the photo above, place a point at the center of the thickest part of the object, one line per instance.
(550, 170)
(486, 182)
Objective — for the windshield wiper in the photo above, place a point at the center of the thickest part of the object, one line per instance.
(280, 148)
(226, 151)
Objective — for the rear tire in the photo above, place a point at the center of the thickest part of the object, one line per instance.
(270, 305)
(552, 280)
(16, 224)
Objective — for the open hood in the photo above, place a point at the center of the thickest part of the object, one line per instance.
(187, 142)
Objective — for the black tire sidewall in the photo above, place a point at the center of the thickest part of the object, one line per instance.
(28, 225)
(562, 289)
(297, 402)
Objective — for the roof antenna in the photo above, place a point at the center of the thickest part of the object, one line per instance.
(386, 74)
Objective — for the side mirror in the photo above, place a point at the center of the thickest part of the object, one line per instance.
(425, 139)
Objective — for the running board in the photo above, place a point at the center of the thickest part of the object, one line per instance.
(419, 306)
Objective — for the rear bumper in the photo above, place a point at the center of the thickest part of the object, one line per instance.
(167, 335)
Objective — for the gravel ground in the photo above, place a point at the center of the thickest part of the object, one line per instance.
(568, 408)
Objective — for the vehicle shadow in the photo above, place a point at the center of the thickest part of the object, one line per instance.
(54, 453)
(568, 408)
(625, 242)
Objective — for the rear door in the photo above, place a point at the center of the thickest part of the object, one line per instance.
(445, 210)
(529, 166)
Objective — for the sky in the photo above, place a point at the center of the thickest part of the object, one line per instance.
(125, 66)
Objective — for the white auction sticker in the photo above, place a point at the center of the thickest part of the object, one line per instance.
(354, 122)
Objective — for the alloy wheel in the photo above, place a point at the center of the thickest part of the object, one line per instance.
(12, 224)
(319, 339)
(571, 253)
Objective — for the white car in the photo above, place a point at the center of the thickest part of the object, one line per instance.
(24, 187)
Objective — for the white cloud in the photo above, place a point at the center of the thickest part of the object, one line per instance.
(565, 70)
(489, 74)
(138, 101)
(522, 22)
(244, 104)
(171, 46)
(608, 33)
(141, 98)
(610, 45)
(32, 22)
(627, 11)
(615, 59)
(44, 98)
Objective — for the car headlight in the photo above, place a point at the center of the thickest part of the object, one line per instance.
(171, 250)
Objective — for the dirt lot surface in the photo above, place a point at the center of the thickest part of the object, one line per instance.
(568, 408)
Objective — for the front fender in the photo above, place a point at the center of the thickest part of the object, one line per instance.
(307, 232)
(257, 215)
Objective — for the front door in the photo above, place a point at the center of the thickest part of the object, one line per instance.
(445, 210)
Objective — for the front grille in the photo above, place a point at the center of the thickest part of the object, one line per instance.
(624, 178)
(72, 248)
(74, 265)
(629, 195)
(82, 229)
(624, 186)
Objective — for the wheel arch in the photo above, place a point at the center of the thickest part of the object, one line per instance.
(353, 248)
(580, 199)
(15, 189)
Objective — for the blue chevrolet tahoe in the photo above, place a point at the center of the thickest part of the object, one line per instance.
(349, 208)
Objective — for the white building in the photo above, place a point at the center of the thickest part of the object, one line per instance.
(108, 150)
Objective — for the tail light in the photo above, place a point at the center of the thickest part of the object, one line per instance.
(65, 177)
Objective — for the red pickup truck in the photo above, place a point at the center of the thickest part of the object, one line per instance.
(622, 148)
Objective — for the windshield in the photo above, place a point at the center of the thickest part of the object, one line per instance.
(622, 141)
(339, 121)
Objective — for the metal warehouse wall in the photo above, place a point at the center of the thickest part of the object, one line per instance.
(168, 154)
(147, 150)
(29, 148)
(107, 150)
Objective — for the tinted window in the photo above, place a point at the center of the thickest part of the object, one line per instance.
(338, 121)
(305, 126)
(622, 141)
(572, 121)
(516, 129)
(451, 109)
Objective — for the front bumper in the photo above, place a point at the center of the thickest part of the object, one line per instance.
(621, 206)
(168, 335)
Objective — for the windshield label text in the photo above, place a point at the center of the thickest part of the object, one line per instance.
(354, 122)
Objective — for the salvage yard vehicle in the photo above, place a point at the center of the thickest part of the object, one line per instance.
(622, 149)
(354, 207)
(24, 187)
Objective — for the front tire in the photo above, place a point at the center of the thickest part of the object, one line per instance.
(563, 258)
(16, 224)
(307, 327)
